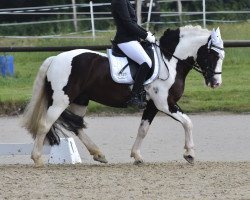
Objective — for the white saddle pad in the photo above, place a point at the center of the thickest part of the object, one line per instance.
(117, 64)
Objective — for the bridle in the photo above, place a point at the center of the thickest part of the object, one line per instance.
(207, 73)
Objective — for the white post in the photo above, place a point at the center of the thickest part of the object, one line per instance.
(74, 15)
(204, 13)
(92, 19)
(138, 11)
(180, 10)
(149, 13)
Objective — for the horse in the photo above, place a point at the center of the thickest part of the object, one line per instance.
(67, 82)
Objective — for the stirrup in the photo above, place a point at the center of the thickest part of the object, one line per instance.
(136, 102)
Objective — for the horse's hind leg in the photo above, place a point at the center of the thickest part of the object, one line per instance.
(53, 113)
(36, 154)
(90, 145)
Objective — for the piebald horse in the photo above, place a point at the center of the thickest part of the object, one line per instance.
(67, 82)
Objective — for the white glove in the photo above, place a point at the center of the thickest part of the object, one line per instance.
(150, 37)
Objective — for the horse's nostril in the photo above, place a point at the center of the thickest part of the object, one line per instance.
(218, 82)
(214, 85)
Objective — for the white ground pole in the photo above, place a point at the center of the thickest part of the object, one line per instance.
(65, 153)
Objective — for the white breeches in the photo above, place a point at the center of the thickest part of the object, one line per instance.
(135, 52)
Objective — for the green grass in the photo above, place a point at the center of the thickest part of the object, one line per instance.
(232, 96)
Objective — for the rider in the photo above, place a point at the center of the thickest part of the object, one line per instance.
(127, 38)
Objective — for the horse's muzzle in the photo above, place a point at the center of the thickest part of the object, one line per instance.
(213, 83)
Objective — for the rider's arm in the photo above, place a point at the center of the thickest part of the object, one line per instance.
(122, 11)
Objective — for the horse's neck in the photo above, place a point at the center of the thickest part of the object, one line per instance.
(189, 45)
(186, 51)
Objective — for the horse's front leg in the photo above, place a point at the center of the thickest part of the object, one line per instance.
(147, 118)
(186, 122)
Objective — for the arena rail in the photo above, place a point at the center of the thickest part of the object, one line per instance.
(227, 44)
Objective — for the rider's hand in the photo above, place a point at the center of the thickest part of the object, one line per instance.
(150, 37)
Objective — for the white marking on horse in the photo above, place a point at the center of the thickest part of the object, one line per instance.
(63, 60)
(160, 98)
(142, 132)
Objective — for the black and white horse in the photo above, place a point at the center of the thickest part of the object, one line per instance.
(67, 82)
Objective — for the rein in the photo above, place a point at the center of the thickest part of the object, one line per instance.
(195, 66)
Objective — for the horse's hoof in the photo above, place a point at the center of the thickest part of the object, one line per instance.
(39, 164)
(189, 158)
(100, 158)
(138, 162)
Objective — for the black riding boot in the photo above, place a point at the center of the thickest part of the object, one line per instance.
(136, 100)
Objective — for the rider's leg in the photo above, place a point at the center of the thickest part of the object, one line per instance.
(135, 99)
(134, 51)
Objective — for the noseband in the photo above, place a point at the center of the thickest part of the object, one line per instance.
(208, 73)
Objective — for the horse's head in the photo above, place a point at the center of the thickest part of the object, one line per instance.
(192, 44)
(210, 58)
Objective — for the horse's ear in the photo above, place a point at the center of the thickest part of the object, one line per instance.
(218, 32)
(213, 34)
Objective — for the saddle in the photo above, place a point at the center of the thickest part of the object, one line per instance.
(123, 69)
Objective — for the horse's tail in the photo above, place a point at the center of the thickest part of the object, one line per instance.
(36, 109)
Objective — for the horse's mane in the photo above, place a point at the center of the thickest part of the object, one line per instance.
(171, 37)
(169, 40)
(197, 29)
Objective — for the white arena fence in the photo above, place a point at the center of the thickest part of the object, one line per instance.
(93, 16)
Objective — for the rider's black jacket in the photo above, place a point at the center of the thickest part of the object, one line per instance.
(126, 22)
